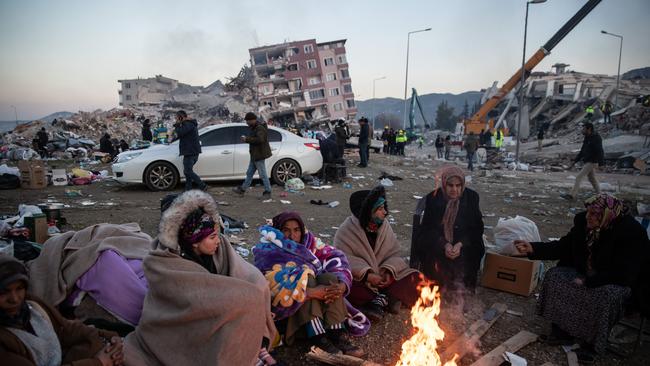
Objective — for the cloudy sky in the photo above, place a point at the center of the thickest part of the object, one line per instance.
(68, 55)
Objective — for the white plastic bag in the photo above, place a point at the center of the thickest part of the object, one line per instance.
(386, 182)
(509, 230)
(294, 184)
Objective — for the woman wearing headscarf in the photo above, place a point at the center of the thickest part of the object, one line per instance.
(599, 263)
(381, 278)
(447, 239)
(313, 303)
(193, 313)
(35, 334)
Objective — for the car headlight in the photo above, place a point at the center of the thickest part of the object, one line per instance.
(123, 158)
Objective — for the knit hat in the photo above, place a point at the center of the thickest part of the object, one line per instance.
(11, 270)
(363, 203)
(250, 116)
(196, 226)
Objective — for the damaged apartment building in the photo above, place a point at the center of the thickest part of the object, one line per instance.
(303, 81)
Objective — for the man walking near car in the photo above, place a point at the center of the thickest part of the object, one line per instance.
(259, 150)
(189, 147)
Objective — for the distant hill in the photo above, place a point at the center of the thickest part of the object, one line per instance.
(6, 126)
(429, 105)
(641, 73)
(57, 115)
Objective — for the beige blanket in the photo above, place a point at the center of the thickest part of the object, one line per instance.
(352, 240)
(68, 256)
(194, 317)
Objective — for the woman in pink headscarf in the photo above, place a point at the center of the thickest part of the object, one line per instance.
(447, 239)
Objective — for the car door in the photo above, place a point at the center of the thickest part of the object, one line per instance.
(217, 156)
(242, 155)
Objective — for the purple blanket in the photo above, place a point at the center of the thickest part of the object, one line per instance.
(286, 265)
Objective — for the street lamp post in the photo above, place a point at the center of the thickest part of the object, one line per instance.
(523, 77)
(15, 113)
(373, 100)
(406, 79)
(618, 74)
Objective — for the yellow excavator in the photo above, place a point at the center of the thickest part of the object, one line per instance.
(479, 121)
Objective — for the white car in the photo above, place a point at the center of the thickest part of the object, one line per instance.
(223, 157)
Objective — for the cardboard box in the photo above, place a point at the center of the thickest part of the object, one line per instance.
(32, 174)
(37, 225)
(510, 274)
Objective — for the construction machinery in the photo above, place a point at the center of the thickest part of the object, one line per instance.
(415, 102)
(480, 121)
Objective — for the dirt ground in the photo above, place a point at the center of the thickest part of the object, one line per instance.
(505, 193)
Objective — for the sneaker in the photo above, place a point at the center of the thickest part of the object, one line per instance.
(567, 197)
(373, 312)
(322, 342)
(394, 306)
(266, 194)
(238, 190)
(342, 343)
(204, 187)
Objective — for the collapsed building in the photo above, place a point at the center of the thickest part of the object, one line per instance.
(303, 81)
(558, 100)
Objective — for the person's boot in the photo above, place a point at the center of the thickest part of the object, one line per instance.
(341, 342)
(239, 190)
(321, 341)
(266, 194)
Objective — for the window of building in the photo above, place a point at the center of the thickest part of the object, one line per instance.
(339, 44)
(292, 67)
(128, 97)
(292, 51)
(314, 80)
(317, 94)
(331, 76)
(309, 48)
(326, 47)
(345, 74)
(295, 85)
(329, 61)
(127, 85)
(266, 89)
(350, 103)
(334, 92)
(347, 88)
(337, 107)
(311, 64)
(340, 59)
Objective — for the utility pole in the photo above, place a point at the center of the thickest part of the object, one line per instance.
(406, 79)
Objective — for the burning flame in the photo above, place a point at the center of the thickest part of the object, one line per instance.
(421, 348)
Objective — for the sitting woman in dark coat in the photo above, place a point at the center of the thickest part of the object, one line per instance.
(447, 240)
(599, 262)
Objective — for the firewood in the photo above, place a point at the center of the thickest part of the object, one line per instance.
(469, 339)
(316, 354)
(513, 344)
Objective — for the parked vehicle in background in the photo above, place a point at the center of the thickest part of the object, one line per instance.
(224, 157)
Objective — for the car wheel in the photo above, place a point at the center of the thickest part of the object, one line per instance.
(284, 170)
(161, 176)
(376, 150)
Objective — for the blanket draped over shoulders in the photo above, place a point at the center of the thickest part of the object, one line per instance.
(351, 239)
(68, 256)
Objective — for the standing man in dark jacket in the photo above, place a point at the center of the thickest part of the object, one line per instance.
(189, 147)
(42, 142)
(106, 146)
(260, 150)
(146, 131)
(341, 137)
(592, 155)
(364, 135)
(471, 145)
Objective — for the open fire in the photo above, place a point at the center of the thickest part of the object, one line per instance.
(421, 348)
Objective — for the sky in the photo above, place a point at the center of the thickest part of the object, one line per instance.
(69, 54)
